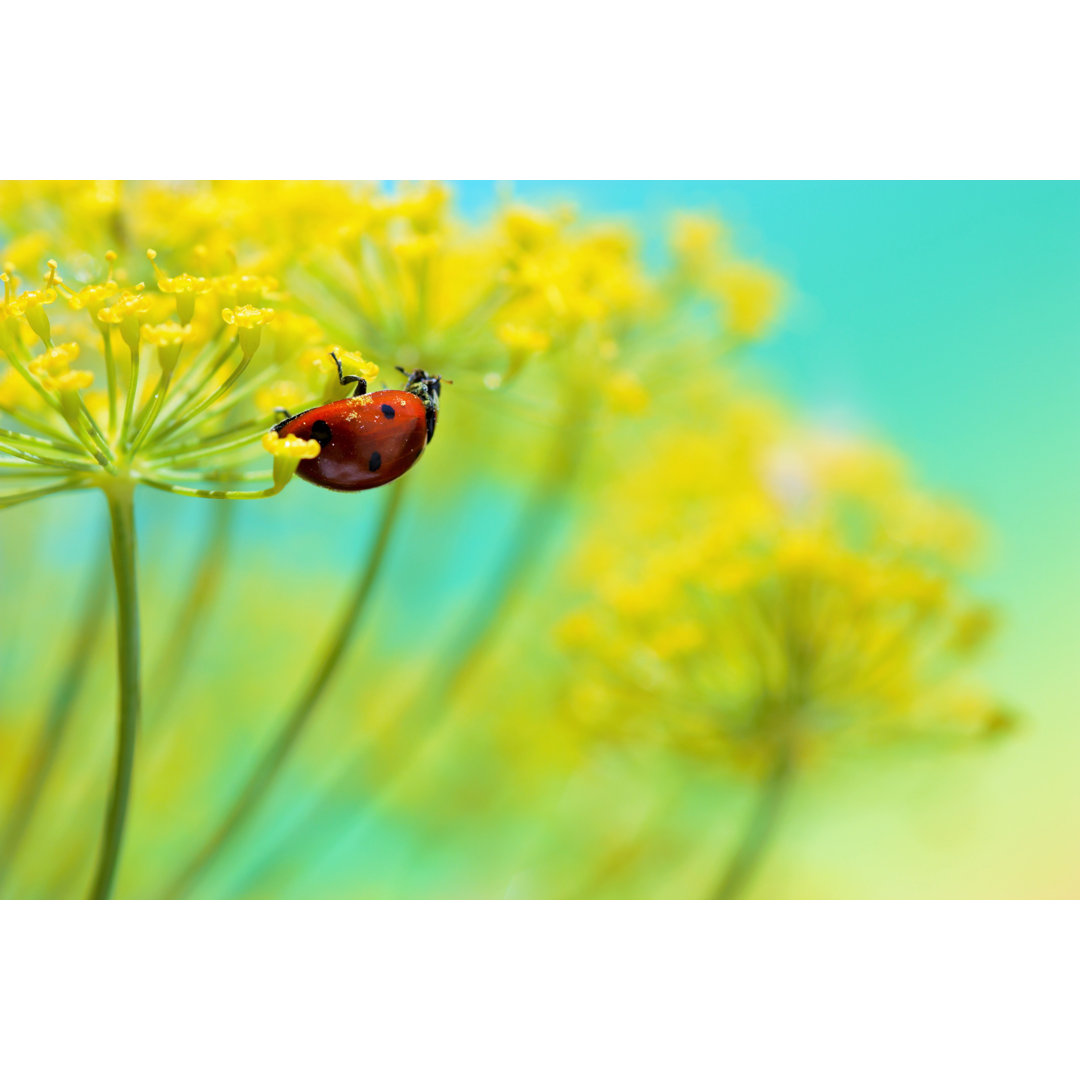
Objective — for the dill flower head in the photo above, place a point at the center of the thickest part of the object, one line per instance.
(108, 383)
(756, 587)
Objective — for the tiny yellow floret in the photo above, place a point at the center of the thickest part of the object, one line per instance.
(291, 446)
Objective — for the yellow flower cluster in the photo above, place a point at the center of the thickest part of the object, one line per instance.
(755, 587)
(197, 417)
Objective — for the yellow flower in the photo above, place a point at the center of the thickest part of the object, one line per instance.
(752, 296)
(290, 446)
(128, 311)
(56, 360)
(31, 304)
(185, 287)
(527, 228)
(169, 339)
(248, 289)
(249, 322)
(92, 297)
(696, 240)
(247, 317)
(68, 381)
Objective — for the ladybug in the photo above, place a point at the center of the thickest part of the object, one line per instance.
(367, 439)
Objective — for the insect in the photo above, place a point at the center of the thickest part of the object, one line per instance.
(367, 439)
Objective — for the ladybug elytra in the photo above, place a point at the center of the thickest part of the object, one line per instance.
(367, 439)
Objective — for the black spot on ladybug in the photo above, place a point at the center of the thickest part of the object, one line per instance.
(388, 412)
(375, 462)
(320, 432)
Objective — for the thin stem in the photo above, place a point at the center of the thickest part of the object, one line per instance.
(207, 493)
(27, 419)
(186, 418)
(146, 419)
(17, 497)
(110, 375)
(253, 429)
(268, 767)
(132, 393)
(215, 445)
(64, 465)
(186, 403)
(122, 519)
(751, 848)
(33, 442)
(52, 731)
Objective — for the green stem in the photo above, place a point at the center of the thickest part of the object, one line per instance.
(44, 755)
(110, 376)
(132, 393)
(122, 518)
(751, 848)
(268, 767)
(146, 420)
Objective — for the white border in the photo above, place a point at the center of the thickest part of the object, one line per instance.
(562, 89)
(542, 990)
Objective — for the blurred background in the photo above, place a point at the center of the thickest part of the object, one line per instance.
(519, 712)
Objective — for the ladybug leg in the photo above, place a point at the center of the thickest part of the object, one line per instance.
(285, 415)
(361, 383)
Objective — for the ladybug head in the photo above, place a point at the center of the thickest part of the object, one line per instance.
(426, 387)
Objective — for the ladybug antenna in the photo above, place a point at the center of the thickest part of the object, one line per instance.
(361, 383)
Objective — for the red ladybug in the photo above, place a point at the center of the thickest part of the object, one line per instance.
(368, 439)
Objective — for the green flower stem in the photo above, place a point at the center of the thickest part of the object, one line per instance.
(253, 429)
(206, 493)
(186, 406)
(212, 445)
(92, 429)
(27, 419)
(51, 735)
(184, 419)
(85, 437)
(132, 393)
(121, 496)
(146, 421)
(110, 375)
(19, 470)
(268, 767)
(29, 495)
(760, 829)
(32, 448)
(183, 392)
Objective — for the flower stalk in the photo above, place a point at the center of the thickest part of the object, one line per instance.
(121, 500)
(760, 830)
